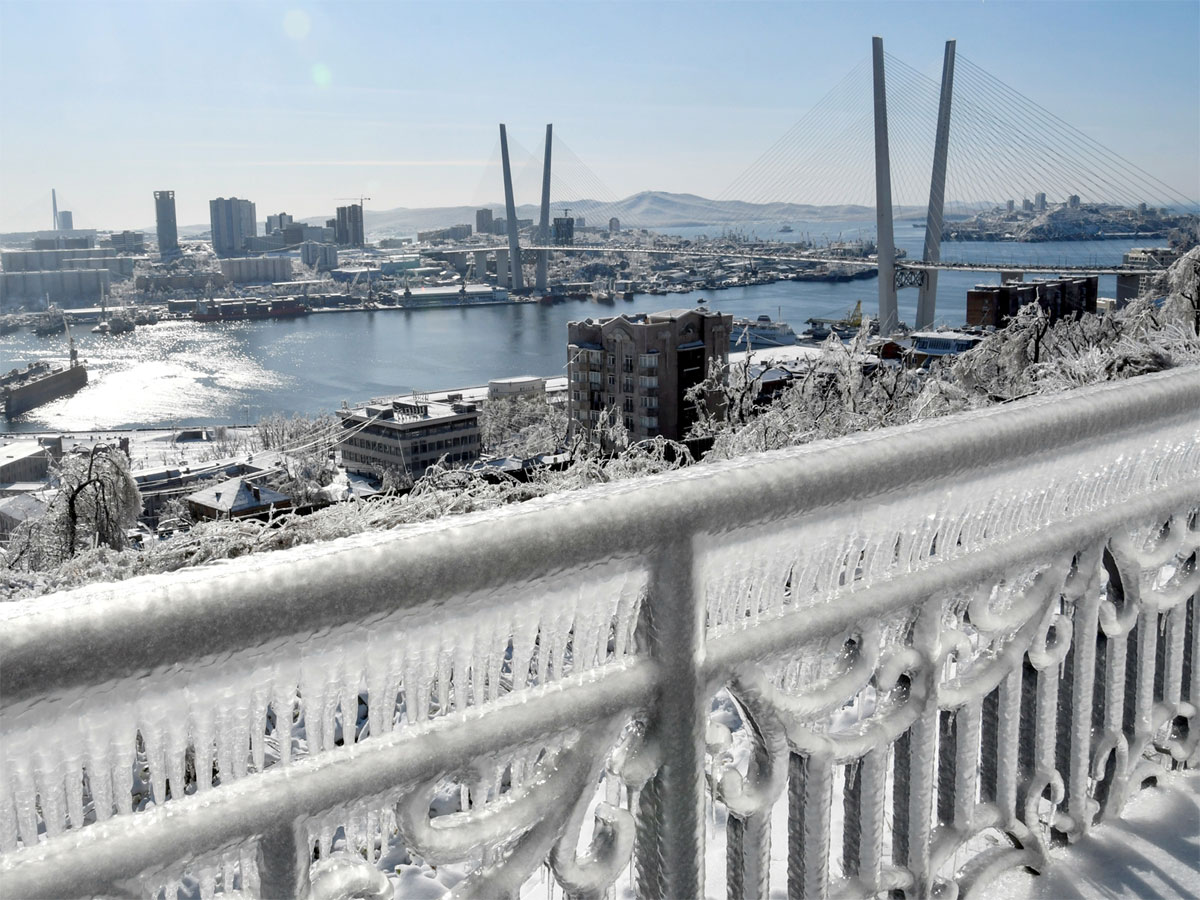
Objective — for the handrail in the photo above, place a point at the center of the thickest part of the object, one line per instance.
(966, 587)
(103, 631)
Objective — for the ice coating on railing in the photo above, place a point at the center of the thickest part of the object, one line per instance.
(129, 745)
(943, 679)
(763, 571)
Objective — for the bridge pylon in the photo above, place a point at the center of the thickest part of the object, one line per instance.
(543, 256)
(934, 221)
(515, 281)
(885, 240)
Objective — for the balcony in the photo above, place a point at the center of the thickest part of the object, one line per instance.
(985, 622)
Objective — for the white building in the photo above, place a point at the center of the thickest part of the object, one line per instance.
(408, 434)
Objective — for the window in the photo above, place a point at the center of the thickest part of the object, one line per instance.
(648, 381)
(612, 380)
(627, 385)
(650, 402)
(648, 360)
(612, 360)
(629, 404)
(650, 422)
(594, 377)
(628, 364)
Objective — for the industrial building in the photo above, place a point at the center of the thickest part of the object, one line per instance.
(232, 221)
(257, 269)
(408, 434)
(165, 225)
(64, 287)
(995, 304)
(635, 370)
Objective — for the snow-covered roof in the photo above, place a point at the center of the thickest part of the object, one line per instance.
(236, 495)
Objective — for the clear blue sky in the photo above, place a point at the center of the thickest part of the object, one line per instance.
(296, 105)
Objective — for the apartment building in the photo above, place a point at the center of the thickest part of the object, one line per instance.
(636, 369)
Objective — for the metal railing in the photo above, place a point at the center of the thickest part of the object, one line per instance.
(919, 638)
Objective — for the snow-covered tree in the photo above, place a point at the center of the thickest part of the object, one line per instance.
(97, 501)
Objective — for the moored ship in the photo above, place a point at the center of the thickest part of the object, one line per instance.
(762, 332)
(40, 382)
(237, 310)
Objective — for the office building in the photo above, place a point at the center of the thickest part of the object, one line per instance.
(614, 225)
(66, 221)
(1039, 202)
(634, 370)
(483, 221)
(349, 226)
(1073, 201)
(232, 221)
(165, 224)
(1026, 205)
(408, 435)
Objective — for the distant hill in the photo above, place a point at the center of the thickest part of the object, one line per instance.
(649, 209)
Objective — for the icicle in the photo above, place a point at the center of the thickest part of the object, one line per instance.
(202, 748)
(207, 877)
(248, 870)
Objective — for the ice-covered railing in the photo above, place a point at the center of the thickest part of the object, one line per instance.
(938, 651)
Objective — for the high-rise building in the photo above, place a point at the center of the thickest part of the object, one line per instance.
(483, 221)
(168, 231)
(278, 223)
(564, 231)
(614, 225)
(350, 226)
(1039, 202)
(635, 369)
(233, 221)
(66, 222)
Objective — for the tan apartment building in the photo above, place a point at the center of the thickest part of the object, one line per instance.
(637, 369)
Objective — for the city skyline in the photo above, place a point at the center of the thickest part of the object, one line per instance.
(304, 105)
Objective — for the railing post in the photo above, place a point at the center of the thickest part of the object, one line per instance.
(670, 839)
(283, 862)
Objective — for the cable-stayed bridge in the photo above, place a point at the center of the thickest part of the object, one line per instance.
(889, 138)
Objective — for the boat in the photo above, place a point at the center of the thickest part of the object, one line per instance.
(845, 327)
(118, 324)
(102, 328)
(40, 382)
(50, 322)
(9, 324)
(762, 332)
(786, 229)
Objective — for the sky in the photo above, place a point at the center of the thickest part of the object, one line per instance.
(299, 106)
